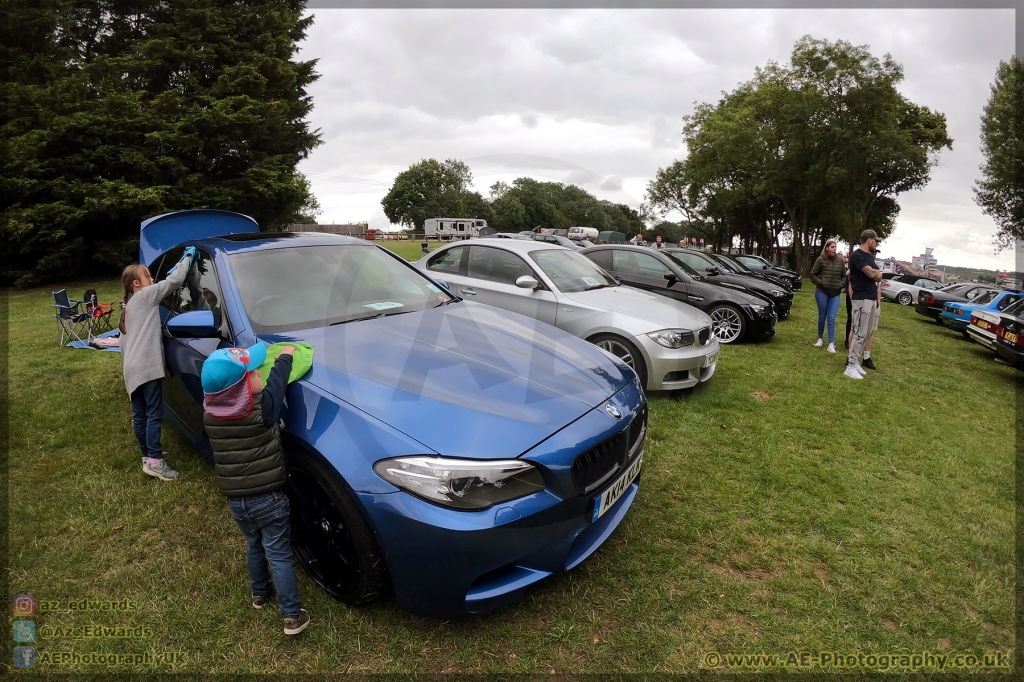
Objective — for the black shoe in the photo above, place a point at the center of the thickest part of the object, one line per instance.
(869, 363)
(847, 344)
(293, 626)
(261, 600)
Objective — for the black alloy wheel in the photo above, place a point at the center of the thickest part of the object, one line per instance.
(330, 537)
(625, 351)
(727, 323)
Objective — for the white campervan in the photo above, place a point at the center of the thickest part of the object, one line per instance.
(453, 228)
(588, 233)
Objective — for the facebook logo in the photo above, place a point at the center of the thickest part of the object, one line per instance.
(24, 657)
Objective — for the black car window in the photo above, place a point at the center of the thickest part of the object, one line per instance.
(986, 297)
(201, 290)
(639, 264)
(447, 261)
(496, 265)
(750, 262)
(1006, 301)
(1015, 308)
(698, 263)
(603, 259)
(974, 293)
(169, 260)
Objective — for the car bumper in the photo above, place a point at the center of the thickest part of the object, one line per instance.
(670, 369)
(953, 322)
(445, 563)
(888, 294)
(1011, 354)
(761, 325)
(928, 311)
(985, 338)
(783, 305)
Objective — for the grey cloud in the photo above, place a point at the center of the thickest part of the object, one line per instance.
(605, 90)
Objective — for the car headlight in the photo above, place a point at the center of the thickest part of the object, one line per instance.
(776, 293)
(758, 308)
(673, 338)
(467, 484)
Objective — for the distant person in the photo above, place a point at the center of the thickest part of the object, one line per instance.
(142, 349)
(241, 418)
(658, 244)
(681, 243)
(864, 279)
(868, 362)
(829, 277)
(637, 240)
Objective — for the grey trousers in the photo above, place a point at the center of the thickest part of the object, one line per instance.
(864, 321)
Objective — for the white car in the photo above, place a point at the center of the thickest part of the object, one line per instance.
(904, 289)
(668, 343)
(985, 324)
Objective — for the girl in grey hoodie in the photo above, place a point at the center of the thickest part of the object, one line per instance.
(143, 352)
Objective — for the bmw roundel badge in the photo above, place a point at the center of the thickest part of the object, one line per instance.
(613, 411)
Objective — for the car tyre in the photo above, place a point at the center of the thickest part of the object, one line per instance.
(625, 351)
(727, 324)
(904, 298)
(330, 537)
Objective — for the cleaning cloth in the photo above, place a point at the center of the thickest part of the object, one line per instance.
(302, 360)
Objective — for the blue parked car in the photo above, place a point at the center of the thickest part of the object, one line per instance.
(957, 314)
(455, 452)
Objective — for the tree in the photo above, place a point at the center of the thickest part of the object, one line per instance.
(429, 189)
(1000, 191)
(816, 149)
(114, 112)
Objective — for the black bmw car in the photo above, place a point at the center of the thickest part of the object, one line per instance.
(929, 303)
(730, 262)
(759, 264)
(736, 312)
(704, 263)
(1009, 341)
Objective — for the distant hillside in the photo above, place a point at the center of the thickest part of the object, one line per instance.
(977, 274)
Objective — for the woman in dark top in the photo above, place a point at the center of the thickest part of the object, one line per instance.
(829, 277)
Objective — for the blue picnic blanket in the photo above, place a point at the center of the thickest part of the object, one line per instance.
(86, 346)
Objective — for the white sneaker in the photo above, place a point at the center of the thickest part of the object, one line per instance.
(860, 370)
(818, 344)
(852, 372)
(831, 348)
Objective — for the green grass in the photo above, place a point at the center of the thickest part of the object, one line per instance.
(782, 507)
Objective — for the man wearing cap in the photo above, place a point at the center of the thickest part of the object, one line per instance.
(241, 419)
(864, 279)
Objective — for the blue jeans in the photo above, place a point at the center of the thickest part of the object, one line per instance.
(147, 416)
(828, 307)
(263, 520)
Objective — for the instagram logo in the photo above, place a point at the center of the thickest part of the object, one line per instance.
(24, 605)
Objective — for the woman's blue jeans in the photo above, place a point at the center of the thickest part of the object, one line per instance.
(263, 520)
(828, 307)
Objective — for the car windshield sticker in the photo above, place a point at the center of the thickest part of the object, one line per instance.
(383, 305)
(590, 281)
(433, 288)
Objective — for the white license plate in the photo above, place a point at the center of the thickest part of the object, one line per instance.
(609, 497)
(711, 359)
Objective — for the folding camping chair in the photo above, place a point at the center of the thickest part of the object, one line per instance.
(99, 314)
(71, 320)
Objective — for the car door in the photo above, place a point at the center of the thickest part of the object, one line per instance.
(644, 271)
(183, 390)
(491, 275)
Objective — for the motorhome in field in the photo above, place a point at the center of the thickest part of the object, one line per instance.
(453, 228)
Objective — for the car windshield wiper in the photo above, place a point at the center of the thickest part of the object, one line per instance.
(368, 317)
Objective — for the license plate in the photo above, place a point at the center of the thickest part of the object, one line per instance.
(608, 498)
(710, 359)
(1010, 337)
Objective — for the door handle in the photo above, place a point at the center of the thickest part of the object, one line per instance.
(467, 291)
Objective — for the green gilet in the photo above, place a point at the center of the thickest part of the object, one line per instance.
(247, 456)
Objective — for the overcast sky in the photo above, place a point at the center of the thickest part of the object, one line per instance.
(595, 97)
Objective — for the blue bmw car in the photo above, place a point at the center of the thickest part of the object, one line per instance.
(957, 314)
(449, 451)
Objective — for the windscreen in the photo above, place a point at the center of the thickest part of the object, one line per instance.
(682, 266)
(1015, 309)
(316, 286)
(570, 272)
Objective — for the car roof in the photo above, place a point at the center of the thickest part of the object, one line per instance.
(261, 241)
(516, 245)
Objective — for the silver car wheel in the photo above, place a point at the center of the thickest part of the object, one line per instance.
(726, 324)
(618, 350)
(905, 298)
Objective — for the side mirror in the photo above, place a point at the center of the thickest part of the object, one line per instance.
(195, 324)
(764, 267)
(672, 279)
(713, 271)
(527, 282)
(441, 283)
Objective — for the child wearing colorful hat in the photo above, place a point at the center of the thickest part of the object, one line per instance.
(241, 419)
